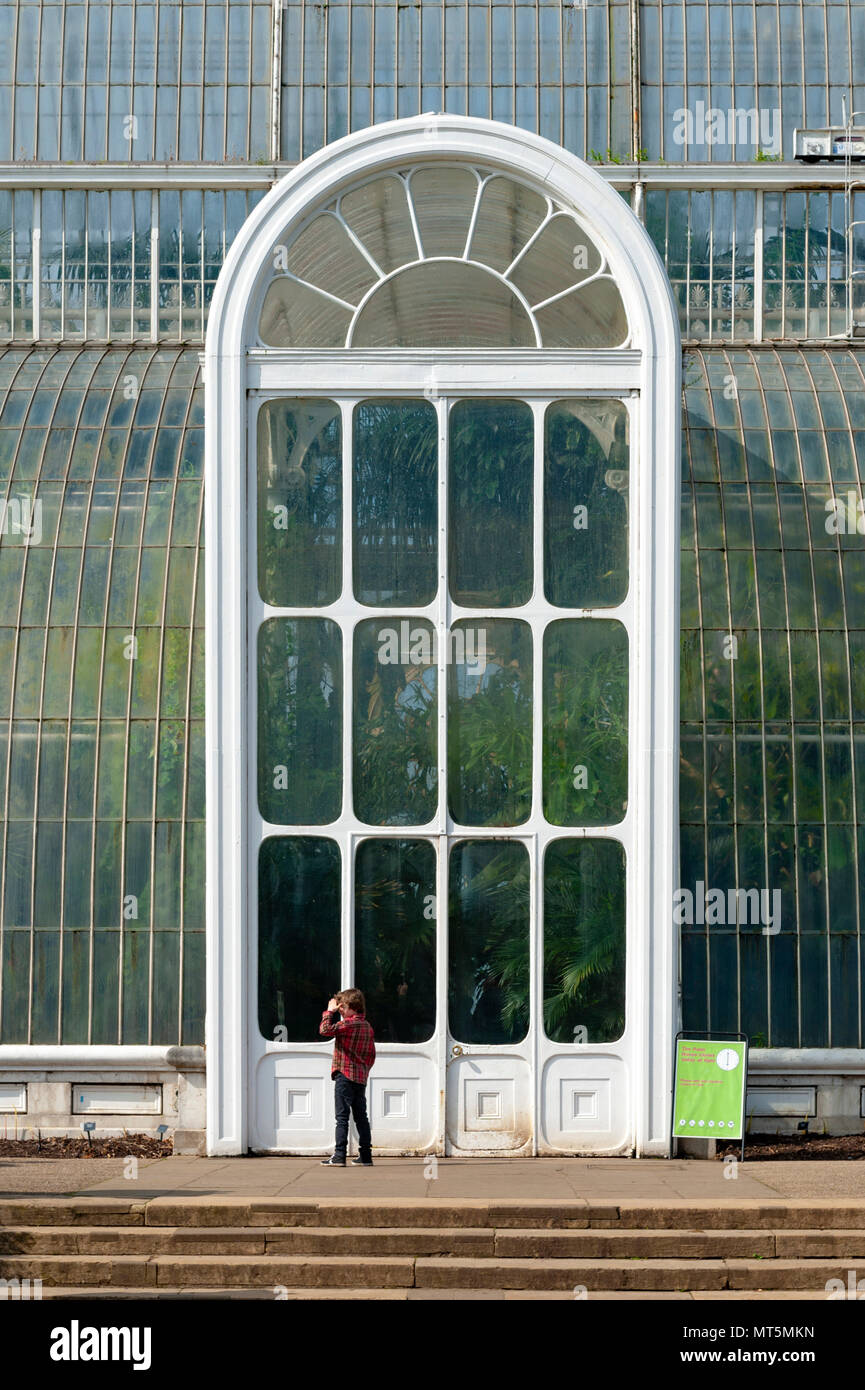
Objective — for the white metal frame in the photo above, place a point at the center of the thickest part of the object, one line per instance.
(651, 368)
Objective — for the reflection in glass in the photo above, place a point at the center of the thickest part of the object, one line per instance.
(488, 947)
(490, 722)
(298, 934)
(299, 721)
(584, 941)
(395, 704)
(395, 502)
(586, 503)
(585, 722)
(299, 503)
(490, 468)
(395, 936)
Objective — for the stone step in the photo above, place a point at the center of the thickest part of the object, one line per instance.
(353, 1295)
(663, 1274)
(676, 1244)
(343, 1272)
(91, 1293)
(244, 1271)
(151, 1241)
(663, 1214)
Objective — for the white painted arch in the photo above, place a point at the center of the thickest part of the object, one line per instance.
(652, 362)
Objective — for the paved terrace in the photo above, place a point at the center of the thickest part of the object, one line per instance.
(475, 1179)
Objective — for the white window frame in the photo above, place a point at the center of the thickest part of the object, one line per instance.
(651, 366)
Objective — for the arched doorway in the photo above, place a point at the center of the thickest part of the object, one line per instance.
(442, 378)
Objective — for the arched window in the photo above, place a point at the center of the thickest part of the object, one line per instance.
(442, 374)
(442, 256)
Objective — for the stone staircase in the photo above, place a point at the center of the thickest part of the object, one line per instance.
(404, 1248)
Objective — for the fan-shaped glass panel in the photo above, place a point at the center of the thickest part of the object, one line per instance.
(444, 304)
(325, 255)
(296, 315)
(378, 214)
(508, 215)
(444, 199)
(560, 255)
(442, 256)
(591, 318)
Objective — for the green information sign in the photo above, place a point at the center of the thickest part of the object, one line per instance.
(709, 1097)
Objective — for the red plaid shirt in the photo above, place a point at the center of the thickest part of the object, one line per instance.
(354, 1048)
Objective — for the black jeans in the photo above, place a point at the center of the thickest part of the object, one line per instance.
(351, 1096)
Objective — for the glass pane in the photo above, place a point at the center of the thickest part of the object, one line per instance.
(299, 721)
(444, 200)
(593, 317)
(395, 705)
(444, 304)
(105, 990)
(293, 315)
(490, 722)
(76, 979)
(325, 255)
(395, 502)
(299, 503)
(508, 215)
(488, 950)
(378, 214)
(584, 941)
(298, 935)
(586, 462)
(585, 722)
(395, 936)
(490, 503)
(45, 987)
(561, 255)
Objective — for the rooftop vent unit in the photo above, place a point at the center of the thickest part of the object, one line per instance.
(832, 142)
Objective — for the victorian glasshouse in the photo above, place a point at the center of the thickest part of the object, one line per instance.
(432, 560)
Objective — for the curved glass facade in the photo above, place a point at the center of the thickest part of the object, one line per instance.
(101, 697)
(773, 693)
(102, 704)
(106, 275)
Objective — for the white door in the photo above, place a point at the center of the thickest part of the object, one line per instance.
(439, 787)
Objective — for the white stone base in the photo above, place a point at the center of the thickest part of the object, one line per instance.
(50, 1077)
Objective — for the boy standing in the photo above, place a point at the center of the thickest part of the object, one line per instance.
(353, 1055)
